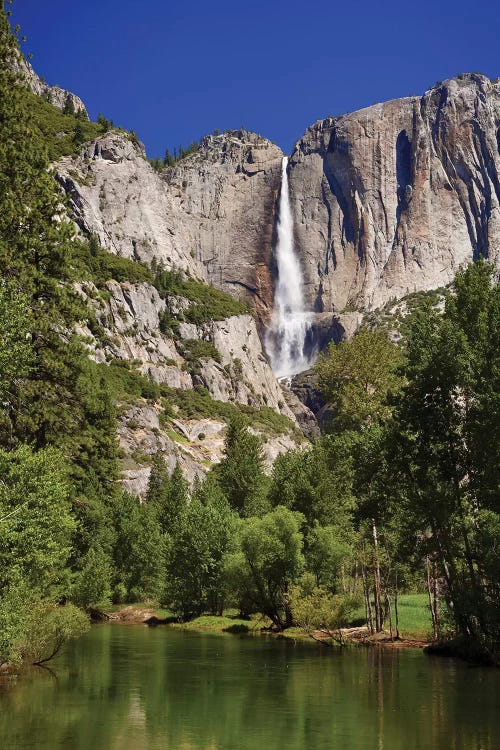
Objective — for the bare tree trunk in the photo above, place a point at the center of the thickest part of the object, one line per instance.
(431, 601)
(368, 606)
(435, 603)
(376, 576)
(396, 612)
(388, 607)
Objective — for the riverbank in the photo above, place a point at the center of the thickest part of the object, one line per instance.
(230, 623)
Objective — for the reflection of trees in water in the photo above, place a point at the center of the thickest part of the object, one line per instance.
(129, 687)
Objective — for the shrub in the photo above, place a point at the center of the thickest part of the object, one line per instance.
(208, 303)
(100, 266)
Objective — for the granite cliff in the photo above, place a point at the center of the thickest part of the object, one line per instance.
(211, 214)
(394, 198)
(386, 201)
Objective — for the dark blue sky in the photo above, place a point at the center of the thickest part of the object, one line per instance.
(174, 70)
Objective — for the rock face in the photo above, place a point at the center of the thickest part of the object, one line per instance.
(212, 213)
(130, 330)
(127, 328)
(387, 201)
(394, 198)
(57, 96)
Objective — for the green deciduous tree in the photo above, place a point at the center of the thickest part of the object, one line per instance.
(319, 612)
(200, 544)
(92, 587)
(139, 555)
(329, 556)
(37, 526)
(270, 560)
(358, 377)
(445, 447)
(316, 482)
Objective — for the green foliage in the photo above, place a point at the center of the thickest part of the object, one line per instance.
(104, 123)
(445, 443)
(208, 303)
(240, 474)
(36, 523)
(61, 133)
(170, 159)
(93, 263)
(159, 480)
(197, 403)
(317, 482)
(270, 560)
(47, 628)
(315, 608)
(168, 496)
(196, 560)
(92, 587)
(15, 337)
(139, 555)
(328, 556)
(125, 384)
(358, 378)
(36, 528)
(33, 630)
(194, 350)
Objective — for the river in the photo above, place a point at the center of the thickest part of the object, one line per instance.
(135, 688)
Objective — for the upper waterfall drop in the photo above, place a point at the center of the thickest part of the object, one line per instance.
(287, 339)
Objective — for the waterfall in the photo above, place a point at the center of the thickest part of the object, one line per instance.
(288, 336)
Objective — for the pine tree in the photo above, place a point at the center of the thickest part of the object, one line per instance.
(176, 500)
(240, 473)
(159, 481)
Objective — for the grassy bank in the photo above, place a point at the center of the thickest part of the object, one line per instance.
(413, 614)
(414, 620)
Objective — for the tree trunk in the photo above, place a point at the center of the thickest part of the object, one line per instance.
(388, 607)
(396, 612)
(368, 606)
(376, 577)
(435, 597)
(429, 594)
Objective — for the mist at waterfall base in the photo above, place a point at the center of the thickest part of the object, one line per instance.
(288, 339)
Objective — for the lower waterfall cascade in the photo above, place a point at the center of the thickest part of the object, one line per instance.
(288, 337)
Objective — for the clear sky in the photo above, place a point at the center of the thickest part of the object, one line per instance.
(174, 70)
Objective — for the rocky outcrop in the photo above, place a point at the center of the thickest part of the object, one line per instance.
(126, 328)
(394, 198)
(57, 96)
(387, 201)
(128, 316)
(211, 214)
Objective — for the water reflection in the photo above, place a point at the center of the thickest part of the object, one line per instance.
(134, 688)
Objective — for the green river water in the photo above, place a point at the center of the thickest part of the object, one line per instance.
(132, 688)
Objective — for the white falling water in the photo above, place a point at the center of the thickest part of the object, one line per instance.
(286, 337)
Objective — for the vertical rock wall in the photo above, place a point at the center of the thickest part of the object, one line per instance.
(395, 197)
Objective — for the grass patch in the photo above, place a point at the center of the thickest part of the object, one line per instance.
(175, 436)
(414, 616)
(226, 623)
